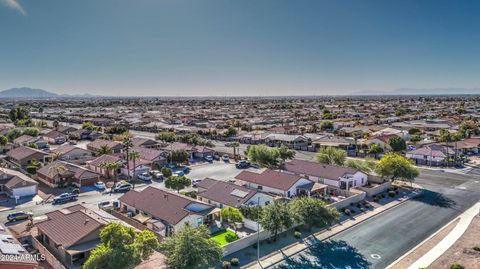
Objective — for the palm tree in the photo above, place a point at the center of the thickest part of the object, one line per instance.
(133, 156)
(127, 144)
(104, 149)
(331, 155)
(235, 145)
(57, 168)
(56, 156)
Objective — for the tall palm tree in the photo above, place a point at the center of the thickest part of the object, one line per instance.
(127, 144)
(104, 149)
(133, 156)
(56, 156)
(235, 145)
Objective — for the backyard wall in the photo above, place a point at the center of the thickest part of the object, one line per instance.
(49, 258)
(250, 224)
(357, 196)
(377, 189)
(244, 242)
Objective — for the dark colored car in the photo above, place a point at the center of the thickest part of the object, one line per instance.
(19, 216)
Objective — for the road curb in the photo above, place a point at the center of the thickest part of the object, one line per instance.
(251, 264)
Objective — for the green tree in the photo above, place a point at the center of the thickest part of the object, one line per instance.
(166, 136)
(127, 144)
(134, 156)
(179, 156)
(3, 140)
(415, 139)
(231, 131)
(396, 167)
(263, 155)
(55, 124)
(14, 134)
(191, 248)
(397, 144)
(367, 166)
(88, 125)
(111, 166)
(414, 131)
(313, 212)
(276, 217)
(235, 146)
(331, 155)
(285, 153)
(326, 125)
(19, 114)
(177, 182)
(166, 172)
(121, 247)
(104, 149)
(30, 131)
(231, 216)
(375, 149)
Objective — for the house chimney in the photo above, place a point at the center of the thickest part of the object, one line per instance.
(86, 221)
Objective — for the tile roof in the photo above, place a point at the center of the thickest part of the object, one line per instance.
(22, 152)
(100, 142)
(66, 228)
(318, 170)
(227, 193)
(103, 159)
(270, 178)
(148, 154)
(161, 204)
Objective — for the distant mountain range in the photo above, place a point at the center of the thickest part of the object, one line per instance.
(26, 92)
(411, 91)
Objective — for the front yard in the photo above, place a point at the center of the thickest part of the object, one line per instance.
(224, 237)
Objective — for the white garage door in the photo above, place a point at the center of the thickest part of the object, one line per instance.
(25, 191)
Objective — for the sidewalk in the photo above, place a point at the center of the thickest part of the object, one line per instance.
(293, 249)
(464, 221)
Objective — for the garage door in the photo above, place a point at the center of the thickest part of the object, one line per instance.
(25, 191)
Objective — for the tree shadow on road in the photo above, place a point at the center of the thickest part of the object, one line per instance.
(327, 255)
(435, 199)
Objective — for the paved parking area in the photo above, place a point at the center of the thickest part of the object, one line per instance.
(217, 170)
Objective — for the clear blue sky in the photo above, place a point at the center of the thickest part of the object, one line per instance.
(238, 47)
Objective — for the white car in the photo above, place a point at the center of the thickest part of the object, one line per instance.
(145, 176)
(100, 185)
(195, 182)
(225, 158)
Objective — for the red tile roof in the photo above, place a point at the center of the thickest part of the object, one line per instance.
(318, 170)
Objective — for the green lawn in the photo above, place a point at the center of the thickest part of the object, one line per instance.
(221, 237)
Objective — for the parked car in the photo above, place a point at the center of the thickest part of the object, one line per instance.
(145, 176)
(156, 174)
(100, 185)
(242, 164)
(179, 173)
(64, 198)
(196, 181)
(225, 158)
(124, 187)
(19, 216)
(208, 158)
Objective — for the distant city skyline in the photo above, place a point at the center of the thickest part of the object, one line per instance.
(244, 47)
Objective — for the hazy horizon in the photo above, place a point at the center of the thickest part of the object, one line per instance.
(239, 48)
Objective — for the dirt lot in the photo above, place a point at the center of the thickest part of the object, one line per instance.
(462, 251)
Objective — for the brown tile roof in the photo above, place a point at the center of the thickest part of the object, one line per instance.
(318, 170)
(54, 134)
(227, 193)
(22, 152)
(66, 228)
(147, 154)
(64, 149)
(103, 159)
(270, 178)
(163, 205)
(16, 182)
(207, 183)
(23, 139)
(95, 145)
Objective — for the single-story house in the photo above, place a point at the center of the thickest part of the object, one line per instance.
(331, 175)
(70, 234)
(70, 152)
(96, 164)
(221, 193)
(23, 156)
(291, 141)
(171, 210)
(144, 142)
(155, 156)
(12, 254)
(61, 172)
(194, 151)
(114, 146)
(430, 155)
(55, 137)
(16, 184)
(282, 184)
(26, 140)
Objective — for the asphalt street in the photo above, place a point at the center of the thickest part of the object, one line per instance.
(380, 240)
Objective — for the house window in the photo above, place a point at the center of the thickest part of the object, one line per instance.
(259, 187)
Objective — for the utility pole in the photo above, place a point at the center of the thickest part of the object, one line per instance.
(258, 234)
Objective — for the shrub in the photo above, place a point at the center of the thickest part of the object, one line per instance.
(391, 193)
(456, 266)
(362, 209)
(376, 199)
(476, 248)
(226, 264)
(231, 237)
(297, 234)
(235, 262)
